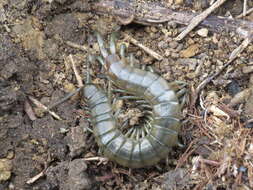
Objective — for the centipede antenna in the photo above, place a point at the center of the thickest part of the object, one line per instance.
(122, 51)
(112, 43)
(101, 45)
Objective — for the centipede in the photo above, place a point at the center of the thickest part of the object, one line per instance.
(144, 145)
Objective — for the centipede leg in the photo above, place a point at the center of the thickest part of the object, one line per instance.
(101, 45)
(112, 43)
(100, 60)
(129, 98)
(109, 90)
(122, 51)
(131, 60)
(67, 97)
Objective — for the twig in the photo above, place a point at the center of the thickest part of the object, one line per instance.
(77, 46)
(248, 12)
(36, 177)
(100, 159)
(186, 154)
(42, 106)
(244, 8)
(78, 77)
(146, 49)
(197, 19)
(240, 48)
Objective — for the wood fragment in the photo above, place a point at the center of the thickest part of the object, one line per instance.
(29, 111)
(240, 48)
(146, 49)
(148, 13)
(45, 108)
(197, 19)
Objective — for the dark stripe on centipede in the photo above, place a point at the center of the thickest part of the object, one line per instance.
(113, 132)
(91, 87)
(165, 129)
(104, 117)
(164, 93)
(168, 117)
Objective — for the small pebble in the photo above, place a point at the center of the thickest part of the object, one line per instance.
(191, 51)
(173, 44)
(153, 29)
(247, 69)
(203, 32)
(179, 2)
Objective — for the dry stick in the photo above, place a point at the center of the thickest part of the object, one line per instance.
(198, 19)
(244, 8)
(36, 177)
(248, 12)
(78, 77)
(77, 46)
(42, 106)
(146, 49)
(148, 13)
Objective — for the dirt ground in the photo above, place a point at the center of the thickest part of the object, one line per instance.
(40, 152)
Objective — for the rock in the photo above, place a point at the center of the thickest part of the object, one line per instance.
(249, 105)
(76, 141)
(78, 179)
(5, 169)
(176, 179)
(248, 69)
(191, 51)
(173, 44)
(203, 32)
(179, 2)
(8, 97)
(57, 175)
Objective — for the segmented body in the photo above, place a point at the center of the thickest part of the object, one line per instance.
(162, 133)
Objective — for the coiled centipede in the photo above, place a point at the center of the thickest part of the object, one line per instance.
(148, 144)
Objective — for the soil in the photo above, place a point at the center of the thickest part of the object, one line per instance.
(36, 40)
